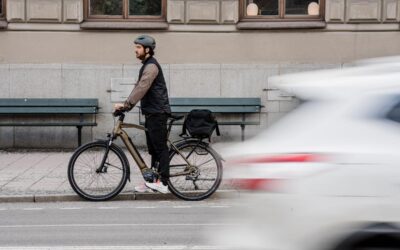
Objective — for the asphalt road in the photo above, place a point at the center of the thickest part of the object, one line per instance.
(111, 225)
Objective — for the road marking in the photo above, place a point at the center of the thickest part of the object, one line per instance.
(117, 225)
(97, 248)
(178, 247)
(209, 248)
(108, 208)
(182, 206)
(132, 207)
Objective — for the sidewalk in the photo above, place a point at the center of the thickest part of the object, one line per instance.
(42, 176)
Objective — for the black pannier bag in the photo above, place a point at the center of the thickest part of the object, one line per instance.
(200, 123)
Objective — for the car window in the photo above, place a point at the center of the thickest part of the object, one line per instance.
(394, 113)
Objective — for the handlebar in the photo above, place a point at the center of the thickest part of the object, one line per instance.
(119, 113)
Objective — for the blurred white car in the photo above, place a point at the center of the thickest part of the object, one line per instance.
(327, 175)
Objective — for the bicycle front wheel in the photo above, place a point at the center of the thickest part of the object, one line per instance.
(205, 171)
(92, 181)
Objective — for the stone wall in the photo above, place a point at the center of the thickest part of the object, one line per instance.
(103, 82)
(44, 11)
(201, 15)
(362, 11)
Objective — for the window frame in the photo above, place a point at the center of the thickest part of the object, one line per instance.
(125, 15)
(3, 13)
(281, 17)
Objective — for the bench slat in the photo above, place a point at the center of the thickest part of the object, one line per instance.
(48, 110)
(48, 124)
(217, 109)
(56, 124)
(45, 102)
(239, 123)
(181, 101)
(231, 123)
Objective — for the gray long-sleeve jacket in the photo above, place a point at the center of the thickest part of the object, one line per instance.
(150, 72)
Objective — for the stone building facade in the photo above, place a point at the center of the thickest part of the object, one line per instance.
(208, 48)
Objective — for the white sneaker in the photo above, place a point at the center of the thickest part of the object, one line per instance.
(158, 186)
(142, 189)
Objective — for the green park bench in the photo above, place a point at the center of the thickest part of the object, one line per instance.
(49, 112)
(221, 106)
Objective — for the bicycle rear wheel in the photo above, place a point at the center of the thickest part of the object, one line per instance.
(95, 183)
(206, 176)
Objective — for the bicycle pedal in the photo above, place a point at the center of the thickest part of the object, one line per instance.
(148, 176)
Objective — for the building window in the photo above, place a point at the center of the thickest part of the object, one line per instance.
(1, 8)
(282, 9)
(125, 9)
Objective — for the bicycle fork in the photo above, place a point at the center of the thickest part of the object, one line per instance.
(103, 168)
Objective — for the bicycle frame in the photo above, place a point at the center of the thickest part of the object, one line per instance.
(118, 131)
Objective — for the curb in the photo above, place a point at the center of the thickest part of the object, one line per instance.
(17, 198)
(56, 198)
(154, 196)
(221, 194)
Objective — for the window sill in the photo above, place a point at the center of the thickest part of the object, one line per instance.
(3, 25)
(267, 25)
(124, 25)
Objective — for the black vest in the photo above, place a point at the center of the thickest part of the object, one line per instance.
(156, 99)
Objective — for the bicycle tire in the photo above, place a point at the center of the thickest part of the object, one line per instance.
(86, 159)
(187, 187)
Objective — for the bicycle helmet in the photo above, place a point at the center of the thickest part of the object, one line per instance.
(146, 41)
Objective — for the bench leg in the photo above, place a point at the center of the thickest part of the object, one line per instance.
(242, 127)
(79, 135)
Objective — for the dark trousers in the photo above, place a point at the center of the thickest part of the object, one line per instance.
(156, 137)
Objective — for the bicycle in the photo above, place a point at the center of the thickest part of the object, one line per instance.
(99, 170)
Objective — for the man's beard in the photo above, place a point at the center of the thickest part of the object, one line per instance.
(141, 57)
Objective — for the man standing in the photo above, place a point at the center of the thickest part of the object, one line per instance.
(151, 89)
